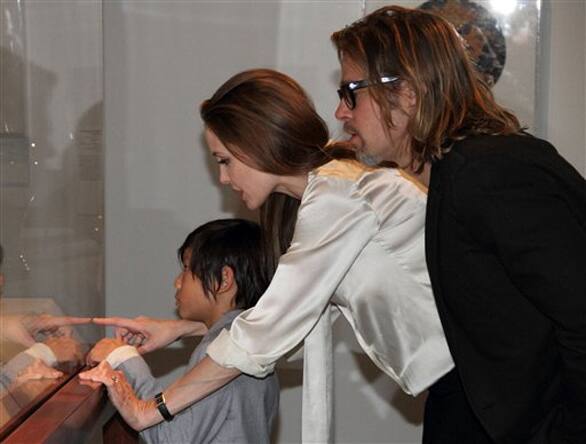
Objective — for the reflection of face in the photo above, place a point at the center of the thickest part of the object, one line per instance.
(368, 133)
(192, 302)
(254, 186)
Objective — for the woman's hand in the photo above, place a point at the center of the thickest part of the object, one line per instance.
(148, 334)
(137, 413)
(205, 378)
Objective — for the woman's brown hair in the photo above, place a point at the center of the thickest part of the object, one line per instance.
(425, 51)
(266, 120)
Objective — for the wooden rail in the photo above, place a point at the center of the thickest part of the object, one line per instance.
(78, 412)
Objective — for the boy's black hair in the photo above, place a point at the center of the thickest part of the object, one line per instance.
(235, 243)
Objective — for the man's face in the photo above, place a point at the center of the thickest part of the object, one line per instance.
(369, 134)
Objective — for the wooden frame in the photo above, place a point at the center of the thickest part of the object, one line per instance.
(78, 412)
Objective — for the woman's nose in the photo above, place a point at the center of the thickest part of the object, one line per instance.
(224, 179)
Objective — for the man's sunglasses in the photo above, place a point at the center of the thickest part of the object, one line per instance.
(346, 91)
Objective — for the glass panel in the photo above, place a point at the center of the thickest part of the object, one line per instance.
(51, 189)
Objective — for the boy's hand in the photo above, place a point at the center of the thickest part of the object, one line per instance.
(148, 334)
(102, 349)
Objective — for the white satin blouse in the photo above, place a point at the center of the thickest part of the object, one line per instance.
(359, 245)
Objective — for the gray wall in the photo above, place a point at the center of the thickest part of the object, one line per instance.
(161, 59)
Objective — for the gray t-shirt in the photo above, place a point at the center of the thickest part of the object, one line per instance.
(243, 411)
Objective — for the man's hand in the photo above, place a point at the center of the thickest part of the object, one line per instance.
(148, 334)
(65, 349)
(102, 349)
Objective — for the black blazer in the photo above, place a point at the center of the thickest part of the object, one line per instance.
(506, 252)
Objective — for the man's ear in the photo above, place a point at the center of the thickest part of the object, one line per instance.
(227, 283)
(408, 96)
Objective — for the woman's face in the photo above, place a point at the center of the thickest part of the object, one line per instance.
(253, 186)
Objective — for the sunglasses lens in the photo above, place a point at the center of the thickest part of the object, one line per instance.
(347, 95)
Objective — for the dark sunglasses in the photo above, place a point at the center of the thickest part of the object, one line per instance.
(346, 91)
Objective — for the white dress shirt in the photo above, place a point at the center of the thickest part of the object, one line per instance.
(358, 245)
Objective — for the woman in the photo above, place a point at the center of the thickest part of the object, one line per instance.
(348, 236)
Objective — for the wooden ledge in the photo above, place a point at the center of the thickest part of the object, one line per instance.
(78, 412)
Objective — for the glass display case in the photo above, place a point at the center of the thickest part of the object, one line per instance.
(51, 198)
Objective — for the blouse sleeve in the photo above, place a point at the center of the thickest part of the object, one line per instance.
(334, 224)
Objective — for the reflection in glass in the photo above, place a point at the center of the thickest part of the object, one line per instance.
(51, 195)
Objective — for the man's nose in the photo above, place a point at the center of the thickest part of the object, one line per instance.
(343, 113)
(177, 282)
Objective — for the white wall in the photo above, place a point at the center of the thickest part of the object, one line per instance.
(161, 59)
(563, 71)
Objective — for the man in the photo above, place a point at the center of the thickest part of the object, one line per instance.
(505, 230)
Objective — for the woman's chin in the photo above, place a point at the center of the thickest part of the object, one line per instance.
(252, 206)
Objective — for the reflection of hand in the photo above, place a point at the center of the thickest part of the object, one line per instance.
(102, 349)
(149, 334)
(13, 330)
(132, 409)
(65, 349)
(23, 329)
(52, 325)
(38, 370)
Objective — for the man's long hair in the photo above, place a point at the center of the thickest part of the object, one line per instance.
(426, 52)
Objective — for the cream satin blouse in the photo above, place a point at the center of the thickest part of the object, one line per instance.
(359, 246)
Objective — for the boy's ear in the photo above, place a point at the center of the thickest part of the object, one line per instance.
(227, 282)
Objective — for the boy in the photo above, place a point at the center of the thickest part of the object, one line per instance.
(222, 275)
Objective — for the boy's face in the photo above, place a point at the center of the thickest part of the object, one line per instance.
(191, 300)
